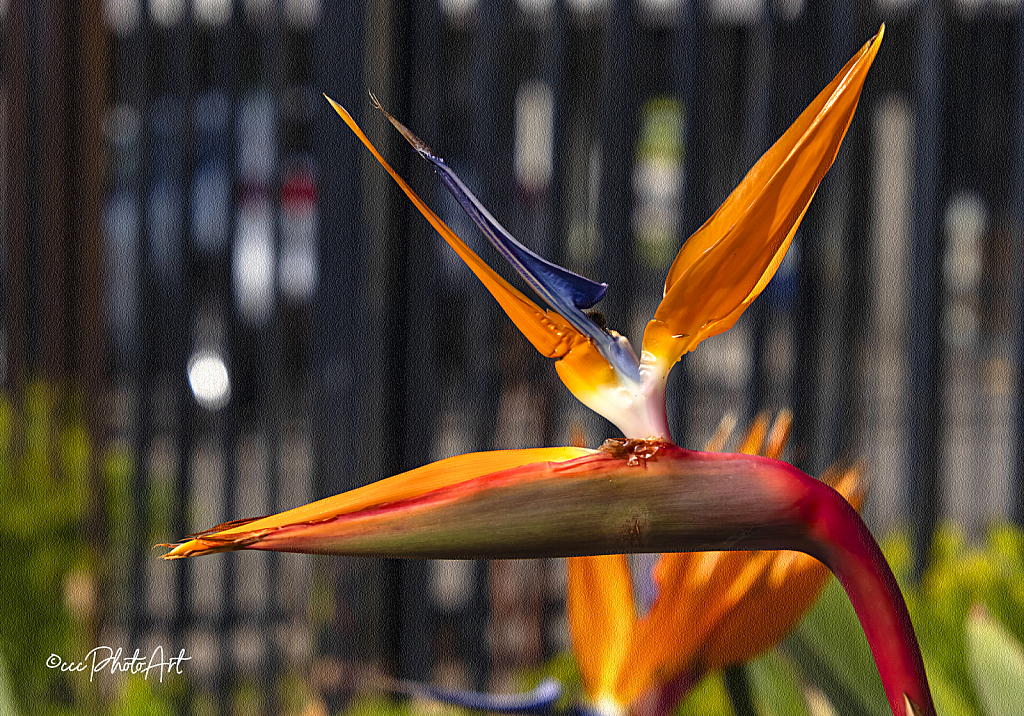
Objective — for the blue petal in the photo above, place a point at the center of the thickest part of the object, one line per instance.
(566, 292)
(539, 701)
(552, 282)
(582, 710)
(560, 288)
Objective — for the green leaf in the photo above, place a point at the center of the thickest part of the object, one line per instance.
(948, 693)
(709, 698)
(7, 703)
(830, 648)
(997, 664)
(776, 688)
(138, 698)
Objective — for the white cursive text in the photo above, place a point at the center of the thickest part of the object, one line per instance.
(104, 658)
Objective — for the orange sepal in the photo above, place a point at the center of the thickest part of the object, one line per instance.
(696, 592)
(716, 609)
(731, 258)
(787, 587)
(602, 616)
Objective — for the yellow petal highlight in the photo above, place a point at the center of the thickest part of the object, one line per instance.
(404, 486)
(716, 443)
(587, 374)
(731, 258)
(602, 616)
(779, 435)
(751, 443)
(549, 333)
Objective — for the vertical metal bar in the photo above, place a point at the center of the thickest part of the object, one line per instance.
(493, 89)
(88, 95)
(926, 315)
(554, 68)
(1017, 210)
(492, 129)
(617, 126)
(424, 91)
(136, 68)
(805, 369)
(853, 385)
(618, 130)
(290, 574)
(984, 170)
(826, 404)
(225, 66)
(34, 320)
(689, 59)
(809, 324)
(18, 204)
(51, 41)
(816, 384)
(758, 134)
(339, 317)
(164, 219)
(400, 617)
(178, 80)
(269, 416)
(410, 358)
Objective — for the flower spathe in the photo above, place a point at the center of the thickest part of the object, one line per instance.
(641, 493)
(628, 496)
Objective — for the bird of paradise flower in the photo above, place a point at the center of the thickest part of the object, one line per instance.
(640, 493)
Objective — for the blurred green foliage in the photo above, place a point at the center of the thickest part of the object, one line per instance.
(59, 582)
(50, 575)
(43, 488)
(968, 612)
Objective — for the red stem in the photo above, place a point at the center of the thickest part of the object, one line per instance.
(838, 537)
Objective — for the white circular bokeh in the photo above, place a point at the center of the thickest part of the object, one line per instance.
(208, 377)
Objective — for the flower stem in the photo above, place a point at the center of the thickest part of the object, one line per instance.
(838, 537)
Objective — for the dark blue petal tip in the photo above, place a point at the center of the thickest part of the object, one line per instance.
(540, 700)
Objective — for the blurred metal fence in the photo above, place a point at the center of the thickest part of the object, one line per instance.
(277, 324)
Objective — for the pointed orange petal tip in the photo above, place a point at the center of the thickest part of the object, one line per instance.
(583, 366)
(730, 259)
(549, 333)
